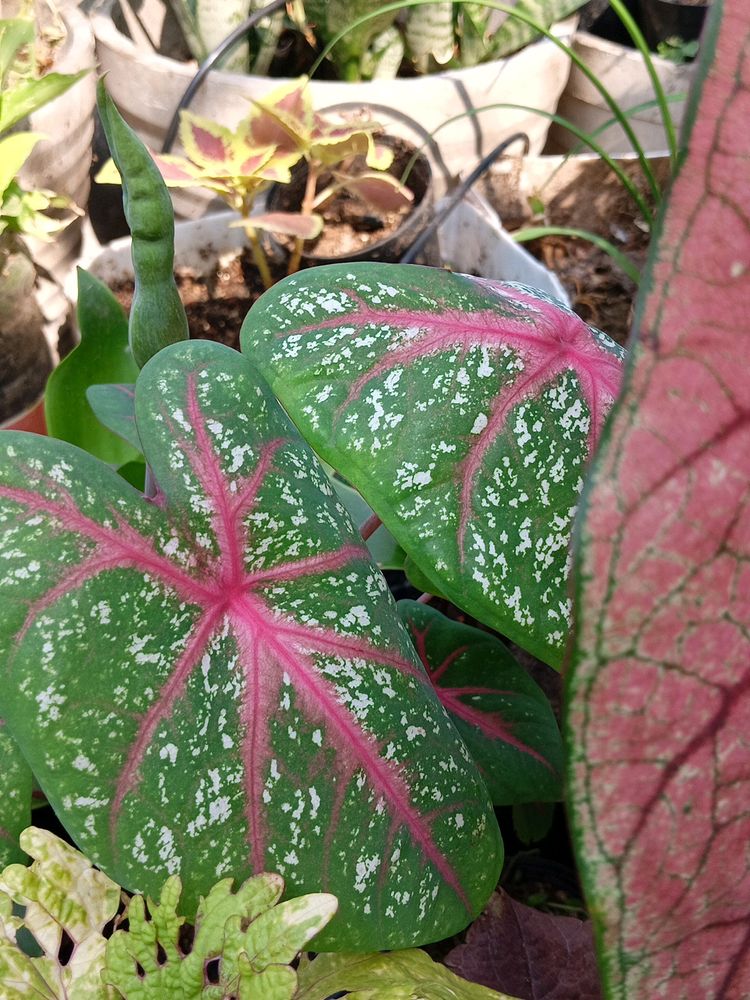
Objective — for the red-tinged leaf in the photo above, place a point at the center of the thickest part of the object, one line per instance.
(503, 716)
(463, 410)
(177, 171)
(305, 227)
(659, 709)
(382, 191)
(206, 143)
(531, 955)
(218, 683)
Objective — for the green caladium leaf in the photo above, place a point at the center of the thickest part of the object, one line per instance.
(114, 407)
(15, 797)
(463, 410)
(217, 682)
(503, 716)
(103, 354)
(247, 935)
(399, 975)
(384, 549)
(67, 903)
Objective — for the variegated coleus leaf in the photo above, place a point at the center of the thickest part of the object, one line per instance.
(659, 710)
(463, 410)
(218, 683)
(15, 797)
(503, 716)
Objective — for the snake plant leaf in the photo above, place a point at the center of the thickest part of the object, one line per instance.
(218, 682)
(67, 904)
(660, 685)
(502, 714)
(102, 355)
(399, 975)
(463, 410)
(328, 17)
(514, 33)
(429, 34)
(15, 797)
(247, 938)
(113, 404)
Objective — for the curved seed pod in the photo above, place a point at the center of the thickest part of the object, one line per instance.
(157, 316)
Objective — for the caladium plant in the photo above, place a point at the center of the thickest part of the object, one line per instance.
(658, 712)
(463, 410)
(217, 682)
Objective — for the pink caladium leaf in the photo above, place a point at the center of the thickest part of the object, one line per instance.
(218, 683)
(464, 412)
(15, 797)
(503, 716)
(659, 709)
(528, 954)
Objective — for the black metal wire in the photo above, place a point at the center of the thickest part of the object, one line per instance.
(460, 191)
(210, 61)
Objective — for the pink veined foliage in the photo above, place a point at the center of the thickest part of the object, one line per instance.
(659, 710)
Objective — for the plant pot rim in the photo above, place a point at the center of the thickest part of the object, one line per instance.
(197, 239)
(105, 28)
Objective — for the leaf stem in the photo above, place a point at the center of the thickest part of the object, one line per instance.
(370, 526)
(308, 204)
(259, 256)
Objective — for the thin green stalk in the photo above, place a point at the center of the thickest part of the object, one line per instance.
(259, 256)
(576, 59)
(640, 43)
(623, 262)
(586, 138)
(308, 203)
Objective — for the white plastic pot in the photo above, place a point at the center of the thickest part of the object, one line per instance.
(623, 73)
(471, 241)
(147, 87)
(61, 162)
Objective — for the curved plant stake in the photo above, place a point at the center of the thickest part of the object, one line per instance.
(660, 689)
(218, 682)
(157, 316)
(463, 410)
(504, 718)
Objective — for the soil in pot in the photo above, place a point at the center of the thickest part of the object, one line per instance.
(354, 230)
(594, 200)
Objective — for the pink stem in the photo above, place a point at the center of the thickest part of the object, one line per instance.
(370, 526)
(425, 598)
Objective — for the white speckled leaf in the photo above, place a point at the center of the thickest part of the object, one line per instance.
(218, 683)
(463, 410)
(15, 797)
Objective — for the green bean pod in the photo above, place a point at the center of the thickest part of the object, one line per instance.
(157, 316)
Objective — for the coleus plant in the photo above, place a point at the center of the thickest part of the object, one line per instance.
(279, 131)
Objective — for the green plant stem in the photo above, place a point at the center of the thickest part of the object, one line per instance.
(640, 43)
(586, 138)
(623, 262)
(576, 59)
(308, 204)
(259, 256)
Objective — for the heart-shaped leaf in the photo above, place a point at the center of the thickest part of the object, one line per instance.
(218, 683)
(15, 797)
(464, 412)
(102, 355)
(659, 709)
(502, 715)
